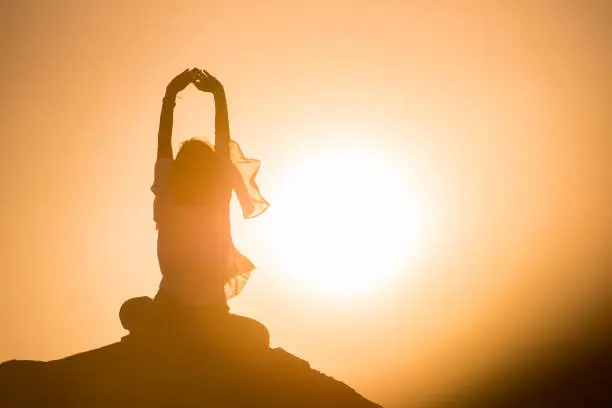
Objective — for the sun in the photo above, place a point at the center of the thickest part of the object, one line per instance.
(345, 223)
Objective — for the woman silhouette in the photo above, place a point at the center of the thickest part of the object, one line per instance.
(200, 266)
(198, 261)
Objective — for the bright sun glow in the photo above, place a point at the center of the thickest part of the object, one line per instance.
(346, 224)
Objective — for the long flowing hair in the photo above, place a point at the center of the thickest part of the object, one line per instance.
(196, 177)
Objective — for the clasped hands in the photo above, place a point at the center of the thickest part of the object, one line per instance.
(202, 80)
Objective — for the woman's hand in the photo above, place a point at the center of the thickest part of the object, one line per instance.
(179, 82)
(206, 82)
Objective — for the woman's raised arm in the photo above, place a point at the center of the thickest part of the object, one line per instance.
(164, 135)
(208, 83)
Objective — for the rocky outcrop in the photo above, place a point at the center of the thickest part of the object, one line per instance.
(174, 368)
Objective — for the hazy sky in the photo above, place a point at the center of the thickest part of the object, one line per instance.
(495, 113)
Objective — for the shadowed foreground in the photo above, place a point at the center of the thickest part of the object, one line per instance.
(155, 369)
(576, 374)
(583, 381)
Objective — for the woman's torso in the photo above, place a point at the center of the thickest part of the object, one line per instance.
(193, 248)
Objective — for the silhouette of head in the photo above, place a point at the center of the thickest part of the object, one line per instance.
(196, 176)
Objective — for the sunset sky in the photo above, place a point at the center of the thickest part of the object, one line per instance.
(439, 173)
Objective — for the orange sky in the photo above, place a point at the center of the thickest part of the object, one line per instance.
(499, 111)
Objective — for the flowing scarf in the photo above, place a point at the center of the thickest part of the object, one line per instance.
(244, 170)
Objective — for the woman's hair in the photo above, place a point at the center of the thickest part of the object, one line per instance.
(196, 176)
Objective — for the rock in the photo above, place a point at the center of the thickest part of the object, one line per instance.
(227, 365)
